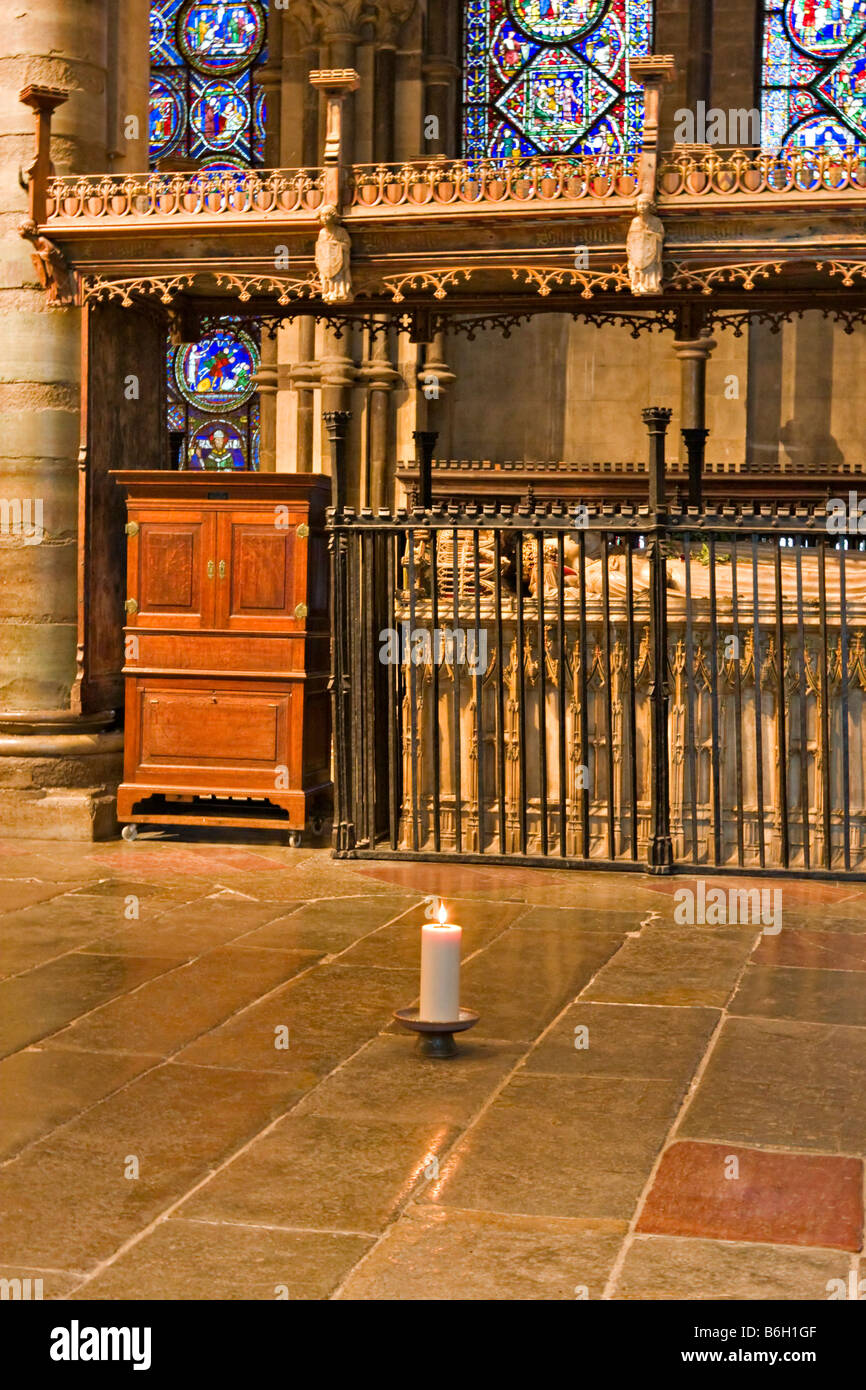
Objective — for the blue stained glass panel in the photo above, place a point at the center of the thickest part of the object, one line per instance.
(219, 445)
(167, 116)
(163, 33)
(813, 74)
(220, 119)
(204, 101)
(221, 38)
(552, 76)
(217, 374)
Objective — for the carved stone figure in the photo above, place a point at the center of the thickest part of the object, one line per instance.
(333, 257)
(646, 237)
(55, 275)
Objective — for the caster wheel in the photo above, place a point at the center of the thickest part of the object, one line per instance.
(130, 832)
(317, 825)
(294, 839)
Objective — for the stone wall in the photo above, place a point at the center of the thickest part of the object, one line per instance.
(56, 770)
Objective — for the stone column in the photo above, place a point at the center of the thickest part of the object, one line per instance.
(341, 22)
(128, 123)
(299, 370)
(693, 347)
(379, 373)
(391, 16)
(269, 77)
(441, 77)
(57, 768)
(654, 72)
(267, 385)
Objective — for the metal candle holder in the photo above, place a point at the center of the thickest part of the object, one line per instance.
(436, 1039)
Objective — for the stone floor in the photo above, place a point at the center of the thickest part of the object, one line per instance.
(203, 1096)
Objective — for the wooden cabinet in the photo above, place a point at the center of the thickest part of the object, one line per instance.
(226, 650)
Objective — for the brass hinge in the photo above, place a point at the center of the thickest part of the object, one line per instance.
(131, 528)
(301, 610)
(303, 531)
(131, 605)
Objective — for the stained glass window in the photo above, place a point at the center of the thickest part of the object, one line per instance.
(213, 411)
(814, 74)
(552, 76)
(205, 107)
(204, 104)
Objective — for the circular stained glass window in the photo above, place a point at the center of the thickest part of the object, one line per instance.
(825, 27)
(167, 116)
(216, 445)
(221, 39)
(220, 115)
(551, 20)
(219, 372)
(822, 134)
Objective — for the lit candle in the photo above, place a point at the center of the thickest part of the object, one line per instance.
(440, 971)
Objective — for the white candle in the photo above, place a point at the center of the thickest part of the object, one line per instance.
(440, 971)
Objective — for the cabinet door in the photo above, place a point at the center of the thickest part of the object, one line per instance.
(261, 571)
(172, 569)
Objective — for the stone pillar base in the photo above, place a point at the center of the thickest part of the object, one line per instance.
(84, 813)
(58, 785)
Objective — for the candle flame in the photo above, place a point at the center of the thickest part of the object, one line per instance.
(442, 915)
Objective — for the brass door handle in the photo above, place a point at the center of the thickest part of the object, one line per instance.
(222, 569)
(131, 605)
(303, 531)
(210, 569)
(301, 611)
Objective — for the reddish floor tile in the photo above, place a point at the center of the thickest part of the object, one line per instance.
(446, 880)
(776, 1198)
(815, 950)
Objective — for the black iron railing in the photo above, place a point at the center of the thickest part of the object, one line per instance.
(632, 689)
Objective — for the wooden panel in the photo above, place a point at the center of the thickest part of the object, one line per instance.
(265, 571)
(116, 430)
(169, 575)
(215, 652)
(226, 727)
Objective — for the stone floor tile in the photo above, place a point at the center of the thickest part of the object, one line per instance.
(399, 946)
(584, 918)
(661, 1267)
(675, 965)
(330, 924)
(34, 935)
(324, 1173)
(45, 999)
(44, 1283)
(66, 1202)
(466, 912)
(775, 1198)
(813, 950)
(789, 1085)
(389, 1080)
(24, 892)
(520, 983)
(625, 1040)
(329, 1014)
(164, 1014)
(502, 883)
(199, 1260)
(810, 996)
(458, 1256)
(192, 929)
(40, 1089)
(559, 1147)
